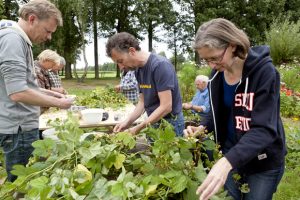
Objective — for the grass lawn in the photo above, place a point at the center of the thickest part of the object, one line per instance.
(91, 74)
(74, 87)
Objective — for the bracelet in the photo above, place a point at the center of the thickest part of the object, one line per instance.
(192, 107)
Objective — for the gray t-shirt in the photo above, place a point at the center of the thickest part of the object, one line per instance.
(158, 75)
(16, 75)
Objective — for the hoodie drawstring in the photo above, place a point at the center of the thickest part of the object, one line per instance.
(245, 92)
(212, 106)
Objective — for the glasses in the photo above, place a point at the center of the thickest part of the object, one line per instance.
(215, 60)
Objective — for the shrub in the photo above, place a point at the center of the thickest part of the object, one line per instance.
(290, 75)
(284, 40)
(289, 185)
(289, 105)
(187, 76)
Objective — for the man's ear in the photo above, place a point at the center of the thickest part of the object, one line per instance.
(131, 51)
(32, 18)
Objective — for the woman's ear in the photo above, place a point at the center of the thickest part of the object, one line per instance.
(233, 48)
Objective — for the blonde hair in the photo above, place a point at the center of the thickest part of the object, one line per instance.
(49, 55)
(43, 9)
(220, 33)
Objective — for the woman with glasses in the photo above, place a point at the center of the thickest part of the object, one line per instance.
(244, 116)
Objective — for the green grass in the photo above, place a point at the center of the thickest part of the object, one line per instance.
(74, 87)
(91, 74)
(289, 187)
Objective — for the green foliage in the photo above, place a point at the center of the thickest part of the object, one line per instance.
(293, 145)
(290, 75)
(289, 105)
(2, 10)
(284, 40)
(180, 59)
(187, 77)
(289, 185)
(105, 167)
(103, 98)
(108, 67)
(157, 15)
(9, 10)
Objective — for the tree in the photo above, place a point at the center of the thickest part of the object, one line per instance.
(117, 16)
(82, 17)
(292, 8)
(95, 33)
(177, 61)
(2, 10)
(68, 39)
(253, 16)
(10, 9)
(151, 14)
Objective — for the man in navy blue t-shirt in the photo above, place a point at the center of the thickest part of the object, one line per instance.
(158, 84)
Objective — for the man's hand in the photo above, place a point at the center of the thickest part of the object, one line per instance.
(215, 179)
(118, 88)
(136, 129)
(193, 131)
(121, 126)
(186, 106)
(60, 90)
(64, 103)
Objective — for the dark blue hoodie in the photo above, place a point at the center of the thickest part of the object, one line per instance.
(260, 139)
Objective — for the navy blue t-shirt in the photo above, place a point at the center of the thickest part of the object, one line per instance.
(228, 98)
(158, 75)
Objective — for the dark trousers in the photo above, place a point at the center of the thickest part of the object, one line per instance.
(17, 149)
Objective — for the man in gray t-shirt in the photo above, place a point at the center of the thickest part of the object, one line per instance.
(20, 97)
(158, 84)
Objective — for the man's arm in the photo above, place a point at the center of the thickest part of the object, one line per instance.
(138, 111)
(59, 90)
(165, 107)
(37, 98)
(52, 93)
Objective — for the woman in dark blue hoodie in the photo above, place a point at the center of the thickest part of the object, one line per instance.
(245, 113)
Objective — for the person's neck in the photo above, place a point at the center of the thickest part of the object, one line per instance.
(142, 58)
(24, 26)
(234, 73)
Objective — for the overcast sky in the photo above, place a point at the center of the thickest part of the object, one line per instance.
(102, 58)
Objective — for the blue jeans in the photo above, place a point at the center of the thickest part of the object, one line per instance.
(262, 185)
(178, 123)
(17, 149)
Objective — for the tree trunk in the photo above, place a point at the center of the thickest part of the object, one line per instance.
(68, 70)
(81, 79)
(175, 50)
(150, 37)
(95, 39)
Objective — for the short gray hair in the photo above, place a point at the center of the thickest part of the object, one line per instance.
(43, 9)
(49, 55)
(62, 61)
(202, 78)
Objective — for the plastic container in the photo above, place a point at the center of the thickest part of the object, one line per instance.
(50, 133)
(92, 116)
